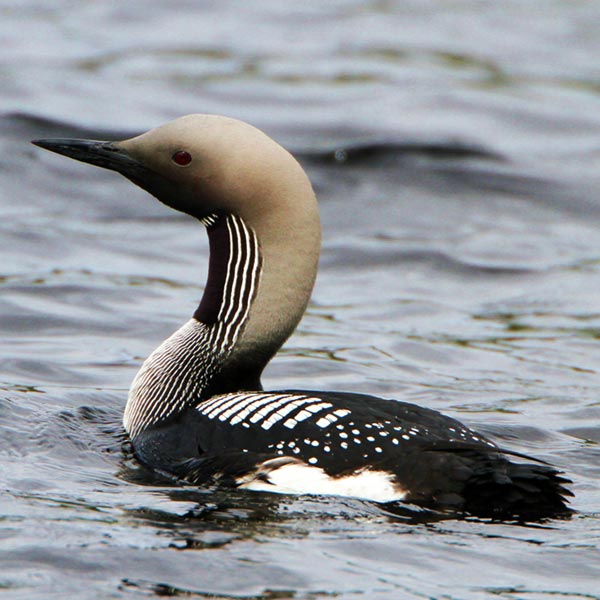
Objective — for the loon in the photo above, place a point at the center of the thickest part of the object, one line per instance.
(196, 410)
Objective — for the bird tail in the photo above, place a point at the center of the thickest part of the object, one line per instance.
(484, 483)
(523, 491)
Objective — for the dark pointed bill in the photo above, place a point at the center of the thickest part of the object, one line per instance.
(101, 154)
(108, 155)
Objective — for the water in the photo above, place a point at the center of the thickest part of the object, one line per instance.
(454, 148)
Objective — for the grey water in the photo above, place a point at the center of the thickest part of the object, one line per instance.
(455, 151)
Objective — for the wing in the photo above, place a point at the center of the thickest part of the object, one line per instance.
(335, 431)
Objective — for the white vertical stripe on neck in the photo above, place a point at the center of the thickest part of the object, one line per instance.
(241, 280)
(173, 376)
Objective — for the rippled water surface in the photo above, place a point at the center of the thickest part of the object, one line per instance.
(455, 150)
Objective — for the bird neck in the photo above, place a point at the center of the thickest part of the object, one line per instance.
(234, 271)
(256, 292)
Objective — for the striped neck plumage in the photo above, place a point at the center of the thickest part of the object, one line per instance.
(189, 365)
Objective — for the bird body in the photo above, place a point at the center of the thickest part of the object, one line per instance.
(196, 409)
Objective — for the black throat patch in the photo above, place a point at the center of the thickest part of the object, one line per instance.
(220, 251)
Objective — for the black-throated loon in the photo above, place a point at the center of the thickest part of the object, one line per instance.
(196, 408)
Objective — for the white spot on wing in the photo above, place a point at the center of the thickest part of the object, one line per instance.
(302, 415)
(341, 412)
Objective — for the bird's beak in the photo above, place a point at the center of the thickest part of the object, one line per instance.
(102, 154)
(109, 155)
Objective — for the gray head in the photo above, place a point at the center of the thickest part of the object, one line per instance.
(201, 164)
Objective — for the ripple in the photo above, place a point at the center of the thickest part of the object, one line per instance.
(454, 150)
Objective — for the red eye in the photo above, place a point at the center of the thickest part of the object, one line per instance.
(182, 158)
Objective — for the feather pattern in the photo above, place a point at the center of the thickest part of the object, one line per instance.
(174, 376)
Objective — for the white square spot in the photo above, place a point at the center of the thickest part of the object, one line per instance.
(323, 422)
(341, 412)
